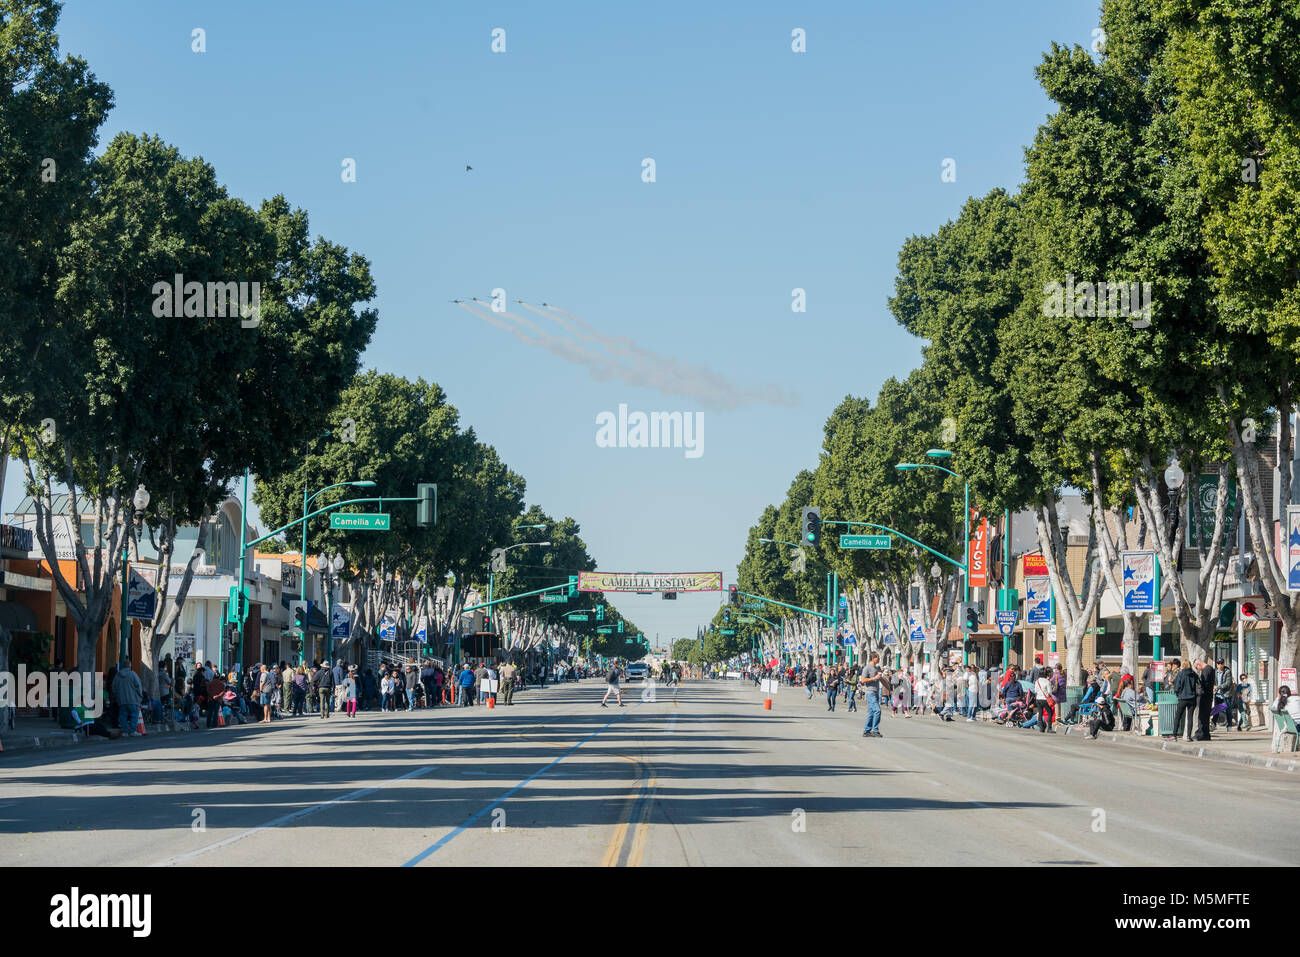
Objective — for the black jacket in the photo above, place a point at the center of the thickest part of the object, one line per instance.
(324, 680)
(1207, 683)
(1185, 684)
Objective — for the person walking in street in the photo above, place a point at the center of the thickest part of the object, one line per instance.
(871, 686)
(325, 688)
(350, 691)
(1204, 698)
(611, 685)
(265, 693)
(386, 685)
(832, 688)
(1185, 690)
(851, 681)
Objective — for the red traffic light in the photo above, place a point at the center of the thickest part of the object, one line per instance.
(733, 595)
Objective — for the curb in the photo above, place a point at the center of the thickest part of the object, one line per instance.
(58, 738)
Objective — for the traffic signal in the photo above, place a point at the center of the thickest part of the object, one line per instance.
(726, 615)
(300, 618)
(810, 520)
(426, 505)
(573, 585)
(600, 612)
(1227, 613)
(487, 621)
(733, 595)
(670, 596)
(972, 617)
(620, 627)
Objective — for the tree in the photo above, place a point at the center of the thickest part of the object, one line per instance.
(50, 114)
(171, 402)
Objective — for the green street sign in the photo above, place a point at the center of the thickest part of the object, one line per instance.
(369, 521)
(605, 631)
(745, 619)
(577, 616)
(551, 599)
(728, 631)
(752, 605)
(866, 541)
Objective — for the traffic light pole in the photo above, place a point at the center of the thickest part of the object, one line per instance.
(241, 613)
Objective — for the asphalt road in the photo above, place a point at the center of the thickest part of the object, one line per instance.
(699, 776)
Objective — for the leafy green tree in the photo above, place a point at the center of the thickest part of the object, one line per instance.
(171, 402)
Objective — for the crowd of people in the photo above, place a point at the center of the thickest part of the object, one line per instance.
(1036, 698)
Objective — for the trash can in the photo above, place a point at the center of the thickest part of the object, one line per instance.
(1167, 705)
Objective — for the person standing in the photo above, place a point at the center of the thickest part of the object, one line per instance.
(871, 687)
(832, 688)
(1244, 693)
(325, 688)
(265, 693)
(426, 680)
(127, 692)
(1205, 685)
(216, 690)
(1044, 697)
(386, 685)
(1185, 690)
(465, 681)
(508, 672)
(287, 704)
(300, 692)
(851, 681)
(611, 685)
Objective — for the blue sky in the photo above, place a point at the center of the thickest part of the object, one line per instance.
(774, 170)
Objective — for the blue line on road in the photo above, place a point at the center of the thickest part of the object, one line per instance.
(447, 838)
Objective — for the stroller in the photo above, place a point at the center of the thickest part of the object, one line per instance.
(1015, 713)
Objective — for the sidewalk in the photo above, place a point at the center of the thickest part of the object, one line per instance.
(1253, 748)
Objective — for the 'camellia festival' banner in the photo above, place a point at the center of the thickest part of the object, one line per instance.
(649, 581)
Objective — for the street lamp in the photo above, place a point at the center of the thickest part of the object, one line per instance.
(141, 502)
(492, 572)
(329, 569)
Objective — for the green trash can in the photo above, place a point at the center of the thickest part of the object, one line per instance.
(1167, 707)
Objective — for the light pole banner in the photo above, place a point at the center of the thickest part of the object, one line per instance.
(1038, 601)
(1138, 585)
(1293, 548)
(979, 556)
(142, 592)
(649, 581)
(340, 623)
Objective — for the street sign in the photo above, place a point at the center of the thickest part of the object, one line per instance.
(728, 631)
(367, 521)
(752, 605)
(1155, 625)
(552, 599)
(607, 630)
(1007, 620)
(844, 601)
(850, 639)
(744, 619)
(866, 541)
(577, 616)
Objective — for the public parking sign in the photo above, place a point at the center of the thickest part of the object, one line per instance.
(1007, 621)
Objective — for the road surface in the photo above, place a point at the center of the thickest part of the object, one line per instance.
(699, 776)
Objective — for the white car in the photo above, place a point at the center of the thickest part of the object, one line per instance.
(637, 671)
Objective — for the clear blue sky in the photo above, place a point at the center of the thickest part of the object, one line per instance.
(775, 170)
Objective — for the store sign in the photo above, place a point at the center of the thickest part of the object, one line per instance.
(1033, 565)
(979, 556)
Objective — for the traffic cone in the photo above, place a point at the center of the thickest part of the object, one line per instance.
(767, 704)
(491, 702)
(139, 724)
(221, 717)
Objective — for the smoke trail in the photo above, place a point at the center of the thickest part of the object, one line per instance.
(640, 366)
